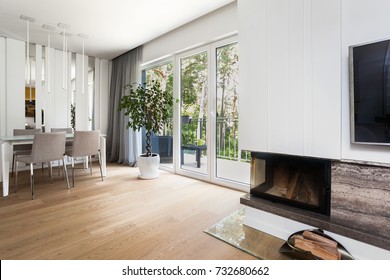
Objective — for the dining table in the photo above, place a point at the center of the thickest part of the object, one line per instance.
(6, 151)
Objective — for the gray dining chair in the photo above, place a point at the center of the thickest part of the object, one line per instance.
(46, 147)
(65, 129)
(69, 143)
(22, 149)
(85, 144)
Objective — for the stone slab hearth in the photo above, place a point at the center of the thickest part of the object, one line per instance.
(315, 220)
(360, 204)
(361, 198)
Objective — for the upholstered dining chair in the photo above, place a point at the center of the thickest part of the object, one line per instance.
(46, 147)
(69, 143)
(22, 149)
(65, 129)
(85, 144)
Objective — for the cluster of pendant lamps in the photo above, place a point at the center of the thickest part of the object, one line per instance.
(51, 29)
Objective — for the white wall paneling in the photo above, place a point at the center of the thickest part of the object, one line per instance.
(295, 79)
(286, 72)
(104, 95)
(290, 76)
(55, 101)
(253, 54)
(38, 86)
(101, 95)
(326, 78)
(69, 92)
(60, 93)
(96, 100)
(15, 84)
(48, 102)
(81, 99)
(308, 78)
(278, 71)
(2, 86)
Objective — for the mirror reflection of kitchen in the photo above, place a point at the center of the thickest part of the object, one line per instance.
(29, 96)
(29, 107)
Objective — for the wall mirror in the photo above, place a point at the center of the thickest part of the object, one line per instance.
(39, 100)
(29, 89)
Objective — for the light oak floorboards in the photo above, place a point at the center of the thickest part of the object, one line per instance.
(122, 217)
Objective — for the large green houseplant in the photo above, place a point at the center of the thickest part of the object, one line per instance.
(149, 107)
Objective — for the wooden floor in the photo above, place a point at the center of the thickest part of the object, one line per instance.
(120, 218)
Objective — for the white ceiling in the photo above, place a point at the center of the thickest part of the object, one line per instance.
(112, 26)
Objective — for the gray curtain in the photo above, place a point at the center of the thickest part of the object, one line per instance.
(123, 145)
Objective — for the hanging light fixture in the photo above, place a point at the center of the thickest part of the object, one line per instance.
(83, 36)
(28, 78)
(64, 54)
(47, 74)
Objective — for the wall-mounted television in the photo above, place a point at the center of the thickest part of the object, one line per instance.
(370, 93)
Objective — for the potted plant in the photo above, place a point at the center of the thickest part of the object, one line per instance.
(149, 107)
(73, 116)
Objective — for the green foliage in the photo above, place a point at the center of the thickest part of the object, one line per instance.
(147, 106)
(164, 75)
(73, 116)
(227, 98)
(194, 84)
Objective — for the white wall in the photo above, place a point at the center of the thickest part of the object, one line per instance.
(252, 19)
(61, 94)
(101, 94)
(56, 102)
(290, 79)
(210, 27)
(15, 81)
(49, 92)
(363, 21)
(81, 97)
(2, 86)
(39, 89)
(313, 36)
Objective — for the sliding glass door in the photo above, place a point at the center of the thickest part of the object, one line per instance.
(207, 87)
(231, 163)
(194, 112)
(202, 139)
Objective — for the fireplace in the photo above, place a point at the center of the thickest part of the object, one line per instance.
(301, 182)
(353, 200)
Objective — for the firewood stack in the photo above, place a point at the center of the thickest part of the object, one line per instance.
(319, 246)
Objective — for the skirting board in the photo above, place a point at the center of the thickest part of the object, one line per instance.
(282, 228)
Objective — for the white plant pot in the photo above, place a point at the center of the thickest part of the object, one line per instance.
(148, 166)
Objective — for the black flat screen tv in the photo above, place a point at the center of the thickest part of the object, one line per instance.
(370, 93)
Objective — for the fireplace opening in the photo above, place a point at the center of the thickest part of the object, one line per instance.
(292, 180)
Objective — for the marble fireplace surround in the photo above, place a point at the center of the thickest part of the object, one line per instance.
(360, 204)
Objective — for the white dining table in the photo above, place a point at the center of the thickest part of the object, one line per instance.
(7, 143)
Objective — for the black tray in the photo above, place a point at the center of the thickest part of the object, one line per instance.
(297, 253)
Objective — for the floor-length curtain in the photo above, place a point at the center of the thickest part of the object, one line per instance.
(123, 145)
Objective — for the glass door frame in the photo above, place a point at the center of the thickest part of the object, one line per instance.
(177, 114)
(213, 115)
(211, 134)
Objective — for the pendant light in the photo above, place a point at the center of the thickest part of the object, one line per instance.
(83, 36)
(28, 79)
(64, 55)
(47, 74)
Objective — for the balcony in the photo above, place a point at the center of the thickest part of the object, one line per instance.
(232, 163)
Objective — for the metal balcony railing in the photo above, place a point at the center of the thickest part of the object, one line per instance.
(193, 131)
